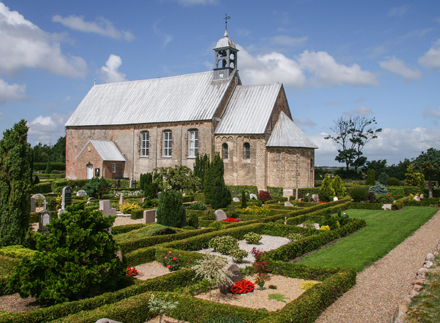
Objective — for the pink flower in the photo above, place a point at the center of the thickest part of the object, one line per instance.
(174, 258)
(169, 251)
(169, 266)
(166, 257)
(180, 255)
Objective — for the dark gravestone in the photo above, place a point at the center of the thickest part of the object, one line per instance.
(118, 184)
(236, 276)
(66, 197)
(183, 218)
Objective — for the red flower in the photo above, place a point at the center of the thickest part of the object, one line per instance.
(169, 266)
(180, 255)
(174, 258)
(231, 220)
(169, 251)
(166, 257)
(242, 287)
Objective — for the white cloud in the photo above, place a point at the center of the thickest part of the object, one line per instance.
(398, 11)
(431, 59)
(360, 110)
(11, 91)
(47, 130)
(288, 41)
(196, 2)
(432, 113)
(326, 72)
(109, 72)
(270, 68)
(306, 122)
(101, 26)
(398, 67)
(394, 145)
(23, 44)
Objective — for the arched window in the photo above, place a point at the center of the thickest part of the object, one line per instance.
(145, 144)
(193, 143)
(247, 150)
(167, 143)
(225, 151)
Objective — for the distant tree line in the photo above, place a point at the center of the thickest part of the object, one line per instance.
(50, 154)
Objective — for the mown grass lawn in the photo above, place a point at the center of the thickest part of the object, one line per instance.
(384, 231)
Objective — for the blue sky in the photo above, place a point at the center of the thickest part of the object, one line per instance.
(336, 58)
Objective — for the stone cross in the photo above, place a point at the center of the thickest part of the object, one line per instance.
(44, 205)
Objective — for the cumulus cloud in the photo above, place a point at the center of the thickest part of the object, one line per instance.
(24, 45)
(270, 68)
(109, 72)
(398, 11)
(393, 145)
(431, 59)
(327, 72)
(398, 67)
(101, 26)
(360, 110)
(11, 92)
(47, 129)
(431, 113)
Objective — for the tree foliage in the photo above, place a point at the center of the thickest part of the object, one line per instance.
(371, 177)
(97, 187)
(414, 178)
(352, 134)
(77, 256)
(46, 153)
(326, 190)
(199, 168)
(150, 187)
(213, 171)
(179, 177)
(221, 196)
(338, 186)
(15, 184)
(170, 209)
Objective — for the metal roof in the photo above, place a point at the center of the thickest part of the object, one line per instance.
(106, 149)
(187, 97)
(287, 134)
(249, 109)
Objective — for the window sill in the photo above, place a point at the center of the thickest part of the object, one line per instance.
(144, 156)
(191, 157)
(166, 156)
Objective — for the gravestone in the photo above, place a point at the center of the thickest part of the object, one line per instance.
(183, 224)
(33, 204)
(121, 199)
(105, 320)
(158, 195)
(66, 197)
(315, 198)
(252, 196)
(149, 216)
(308, 197)
(38, 196)
(43, 219)
(387, 206)
(235, 199)
(113, 211)
(90, 199)
(335, 198)
(104, 206)
(287, 192)
(220, 215)
(296, 194)
(288, 204)
(236, 276)
(81, 193)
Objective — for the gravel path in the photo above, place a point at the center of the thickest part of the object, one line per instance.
(380, 287)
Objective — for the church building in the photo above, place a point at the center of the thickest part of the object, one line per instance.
(121, 130)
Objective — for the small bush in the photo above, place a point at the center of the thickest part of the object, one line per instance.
(219, 225)
(193, 220)
(137, 214)
(200, 206)
(238, 255)
(392, 181)
(223, 244)
(252, 238)
(128, 207)
(371, 197)
(264, 196)
(359, 193)
(383, 178)
(378, 189)
(209, 215)
(294, 236)
(170, 209)
(226, 319)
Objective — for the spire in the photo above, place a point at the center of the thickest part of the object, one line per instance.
(226, 24)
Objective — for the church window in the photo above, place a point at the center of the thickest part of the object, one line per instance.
(225, 151)
(193, 143)
(145, 143)
(114, 168)
(247, 150)
(167, 143)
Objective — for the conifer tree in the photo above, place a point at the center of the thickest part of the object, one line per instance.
(338, 186)
(371, 177)
(170, 209)
(199, 167)
(207, 182)
(243, 200)
(221, 196)
(326, 190)
(15, 184)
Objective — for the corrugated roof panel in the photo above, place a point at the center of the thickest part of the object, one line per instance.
(287, 134)
(106, 149)
(178, 98)
(249, 109)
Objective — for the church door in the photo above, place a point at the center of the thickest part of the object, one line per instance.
(89, 171)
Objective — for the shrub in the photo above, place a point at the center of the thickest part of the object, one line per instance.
(378, 189)
(223, 244)
(294, 236)
(359, 193)
(385, 198)
(137, 214)
(264, 196)
(339, 187)
(326, 190)
(226, 319)
(383, 178)
(160, 306)
(392, 181)
(197, 206)
(238, 255)
(219, 225)
(243, 200)
(230, 220)
(171, 261)
(127, 207)
(148, 204)
(209, 215)
(78, 255)
(170, 209)
(213, 269)
(325, 228)
(193, 220)
(371, 197)
(260, 265)
(371, 178)
(252, 238)
(220, 195)
(96, 187)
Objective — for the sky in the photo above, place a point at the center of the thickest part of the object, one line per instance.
(341, 58)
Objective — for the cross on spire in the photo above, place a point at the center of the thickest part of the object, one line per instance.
(226, 21)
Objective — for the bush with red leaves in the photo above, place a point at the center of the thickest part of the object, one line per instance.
(260, 267)
(264, 196)
(231, 220)
(242, 287)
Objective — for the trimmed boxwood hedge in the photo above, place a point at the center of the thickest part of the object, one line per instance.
(137, 214)
(366, 206)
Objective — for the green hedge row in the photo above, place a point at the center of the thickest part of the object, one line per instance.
(54, 166)
(42, 187)
(275, 191)
(298, 248)
(127, 228)
(199, 197)
(366, 206)
(402, 191)
(277, 199)
(137, 214)
(237, 189)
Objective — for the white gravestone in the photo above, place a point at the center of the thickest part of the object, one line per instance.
(235, 199)
(252, 196)
(220, 215)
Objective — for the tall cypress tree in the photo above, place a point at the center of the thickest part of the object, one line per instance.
(15, 184)
(199, 167)
(207, 182)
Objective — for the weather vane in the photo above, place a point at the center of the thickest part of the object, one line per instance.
(226, 21)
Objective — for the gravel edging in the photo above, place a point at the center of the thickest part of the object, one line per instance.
(381, 287)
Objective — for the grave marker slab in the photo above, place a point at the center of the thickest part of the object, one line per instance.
(44, 219)
(220, 215)
(33, 204)
(104, 206)
(66, 197)
(236, 276)
(235, 199)
(288, 204)
(149, 216)
(252, 196)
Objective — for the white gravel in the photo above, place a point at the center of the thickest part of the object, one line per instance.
(266, 243)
